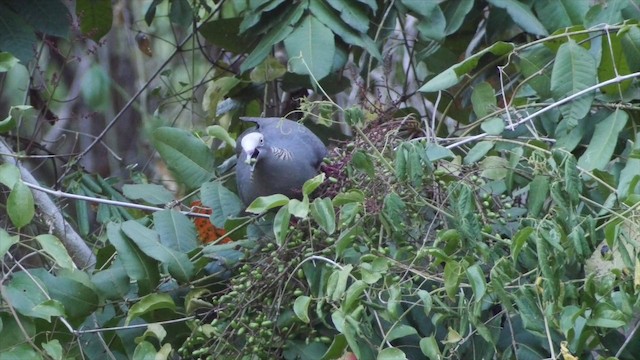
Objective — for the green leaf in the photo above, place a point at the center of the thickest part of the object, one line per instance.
(49, 17)
(281, 225)
(455, 73)
(351, 196)
(9, 175)
(538, 192)
(521, 15)
(478, 151)
(224, 33)
(362, 161)
(17, 37)
(178, 264)
(338, 282)
(613, 64)
(9, 123)
(574, 70)
(336, 349)
(456, 12)
(218, 132)
(20, 205)
(429, 347)
(150, 193)
(190, 160)
(323, 213)
(352, 14)
(299, 209)
(494, 167)
(138, 265)
(607, 316)
(534, 65)
(519, 240)
(493, 126)
(113, 283)
(427, 301)
(557, 14)
(337, 26)
(79, 300)
(603, 142)
(54, 248)
(401, 331)
(391, 354)
(148, 304)
(277, 33)
(631, 47)
(24, 293)
(96, 17)
(312, 184)
(483, 99)
(353, 294)
(477, 281)
(6, 241)
(346, 238)
(181, 13)
(437, 152)
(176, 231)
(223, 202)
(301, 308)
(264, 203)
(269, 70)
(53, 349)
(452, 278)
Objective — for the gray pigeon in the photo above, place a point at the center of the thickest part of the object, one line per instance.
(276, 157)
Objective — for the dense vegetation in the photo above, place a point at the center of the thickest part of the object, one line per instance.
(480, 200)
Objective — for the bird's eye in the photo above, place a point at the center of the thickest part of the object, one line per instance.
(261, 141)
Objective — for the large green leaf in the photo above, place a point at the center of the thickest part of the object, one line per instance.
(455, 12)
(328, 17)
(323, 213)
(150, 193)
(603, 142)
(26, 294)
(534, 65)
(521, 15)
(16, 35)
(96, 17)
(50, 17)
(311, 47)
(221, 200)
(190, 160)
(613, 64)
(176, 231)
(556, 14)
(53, 247)
(78, 299)
(574, 70)
(177, 263)
(277, 33)
(137, 264)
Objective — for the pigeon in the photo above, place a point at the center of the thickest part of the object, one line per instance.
(276, 157)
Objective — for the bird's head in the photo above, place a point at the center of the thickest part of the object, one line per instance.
(252, 144)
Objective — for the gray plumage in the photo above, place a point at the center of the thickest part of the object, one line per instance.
(276, 157)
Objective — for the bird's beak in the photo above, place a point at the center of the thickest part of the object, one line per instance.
(252, 158)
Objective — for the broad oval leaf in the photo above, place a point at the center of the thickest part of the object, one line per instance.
(323, 213)
(603, 142)
(223, 202)
(148, 304)
(190, 160)
(150, 193)
(54, 248)
(20, 205)
(176, 231)
(301, 308)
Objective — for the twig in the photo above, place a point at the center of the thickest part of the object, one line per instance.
(81, 254)
(549, 107)
(58, 193)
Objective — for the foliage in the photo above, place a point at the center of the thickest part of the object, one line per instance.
(486, 205)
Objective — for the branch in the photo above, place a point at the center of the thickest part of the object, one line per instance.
(81, 254)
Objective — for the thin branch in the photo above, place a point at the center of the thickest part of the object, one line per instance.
(58, 193)
(81, 254)
(549, 107)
